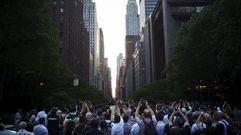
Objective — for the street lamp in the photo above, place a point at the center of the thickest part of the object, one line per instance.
(41, 84)
(200, 88)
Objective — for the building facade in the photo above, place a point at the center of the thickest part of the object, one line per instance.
(160, 33)
(90, 23)
(146, 8)
(130, 42)
(139, 65)
(129, 86)
(120, 63)
(106, 73)
(68, 17)
(132, 18)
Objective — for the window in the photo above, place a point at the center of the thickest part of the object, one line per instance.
(199, 9)
(61, 18)
(61, 34)
(54, 2)
(61, 25)
(61, 10)
(62, 2)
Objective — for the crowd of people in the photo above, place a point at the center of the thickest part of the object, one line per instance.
(129, 118)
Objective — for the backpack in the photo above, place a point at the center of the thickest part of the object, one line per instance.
(150, 129)
(228, 128)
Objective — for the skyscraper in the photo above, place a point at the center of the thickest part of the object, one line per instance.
(99, 60)
(90, 22)
(146, 8)
(120, 63)
(139, 65)
(130, 48)
(160, 33)
(102, 47)
(68, 17)
(132, 18)
(132, 36)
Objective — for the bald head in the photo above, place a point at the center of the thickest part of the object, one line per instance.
(147, 113)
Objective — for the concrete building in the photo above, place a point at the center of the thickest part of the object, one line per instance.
(90, 22)
(102, 47)
(120, 63)
(130, 42)
(132, 18)
(128, 74)
(139, 65)
(120, 76)
(175, 12)
(160, 33)
(120, 84)
(97, 63)
(146, 38)
(68, 17)
(129, 86)
(146, 8)
(106, 73)
(132, 36)
(85, 63)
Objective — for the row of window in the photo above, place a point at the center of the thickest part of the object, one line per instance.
(58, 1)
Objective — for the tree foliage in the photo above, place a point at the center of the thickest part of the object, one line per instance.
(31, 69)
(155, 91)
(208, 46)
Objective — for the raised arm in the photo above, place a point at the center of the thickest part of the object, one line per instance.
(171, 118)
(184, 117)
(117, 109)
(199, 118)
(149, 108)
(82, 107)
(87, 107)
(137, 109)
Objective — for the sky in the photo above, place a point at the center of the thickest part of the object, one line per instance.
(111, 18)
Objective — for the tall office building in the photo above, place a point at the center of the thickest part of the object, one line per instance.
(146, 8)
(99, 61)
(68, 17)
(139, 65)
(120, 76)
(102, 47)
(160, 33)
(132, 29)
(130, 48)
(132, 36)
(90, 22)
(120, 63)
(132, 18)
(106, 73)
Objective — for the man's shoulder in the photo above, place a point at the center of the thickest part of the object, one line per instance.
(6, 132)
(160, 124)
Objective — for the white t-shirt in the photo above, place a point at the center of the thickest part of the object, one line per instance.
(135, 129)
(40, 130)
(195, 128)
(42, 114)
(118, 128)
(160, 127)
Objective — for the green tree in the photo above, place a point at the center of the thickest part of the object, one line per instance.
(207, 47)
(31, 70)
(155, 91)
